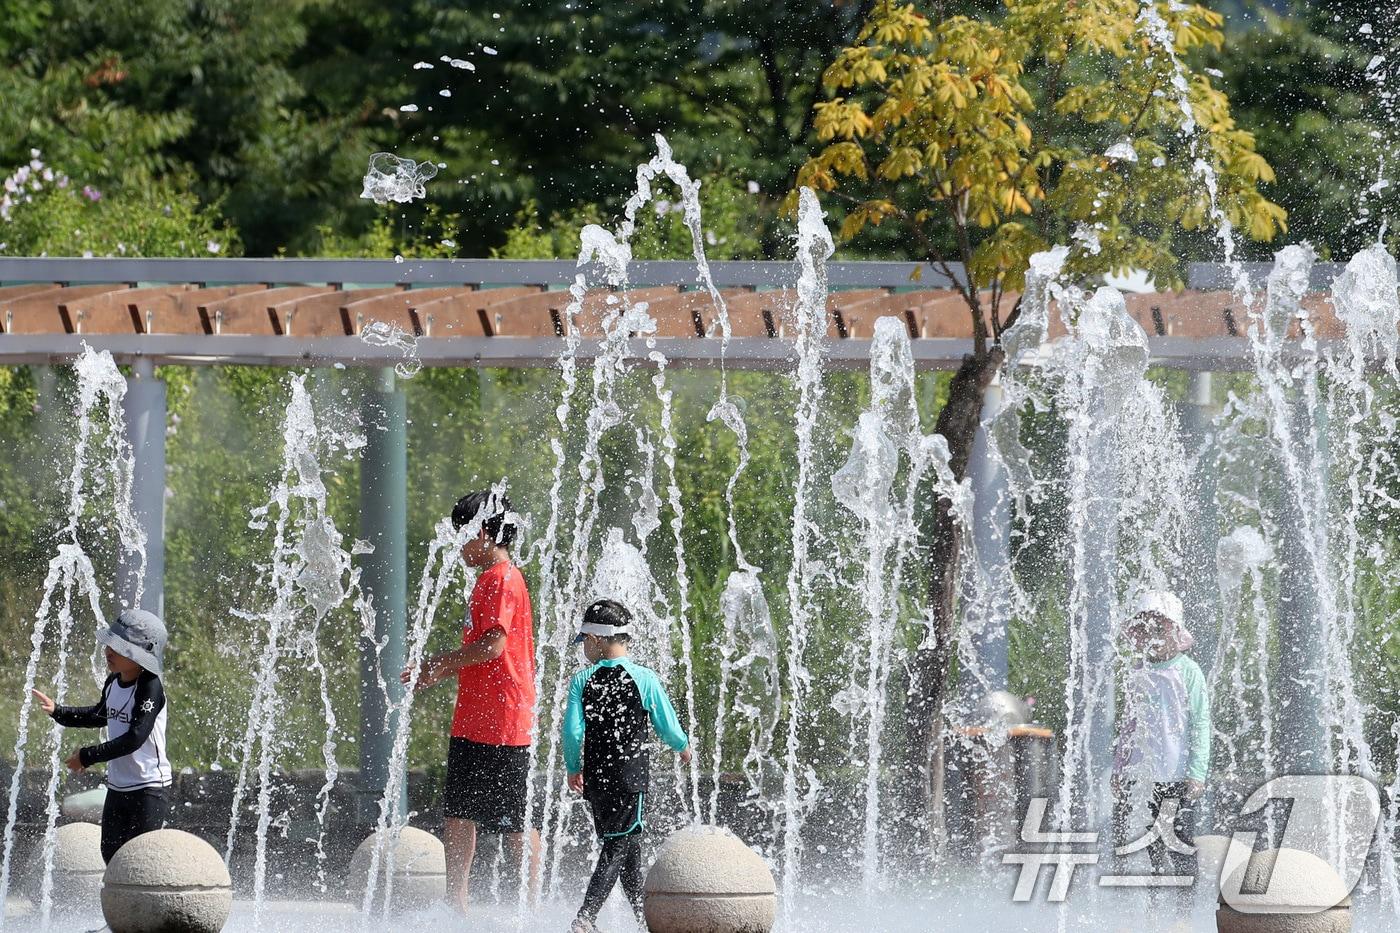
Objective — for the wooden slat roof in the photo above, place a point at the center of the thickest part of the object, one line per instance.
(311, 311)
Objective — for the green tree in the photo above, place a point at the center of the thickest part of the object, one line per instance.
(45, 213)
(1314, 84)
(57, 100)
(569, 94)
(986, 140)
(735, 225)
(220, 74)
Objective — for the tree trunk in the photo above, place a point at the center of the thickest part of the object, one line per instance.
(921, 788)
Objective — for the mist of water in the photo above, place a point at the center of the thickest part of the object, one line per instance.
(100, 473)
(309, 574)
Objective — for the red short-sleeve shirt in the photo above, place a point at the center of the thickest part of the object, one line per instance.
(496, 700)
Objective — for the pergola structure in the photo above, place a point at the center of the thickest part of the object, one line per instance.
(295, 312)
(500, 313)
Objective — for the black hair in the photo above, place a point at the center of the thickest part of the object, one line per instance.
(496, 505)
(609, 612)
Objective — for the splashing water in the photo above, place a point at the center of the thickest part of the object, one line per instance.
(441, 569)
(1304, 441)
(800, 784)
(391, 178)
(308, 576)
(749, 683)
(572, 538)
(100, 452)
(1119, 428)
(865, 486)
(1243, 558)
(384, 334)
(1159, 32)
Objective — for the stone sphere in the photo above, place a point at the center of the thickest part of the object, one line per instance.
(167, 881)
(1302, 893)
(77, 870)
(418, 863)
(705, 880)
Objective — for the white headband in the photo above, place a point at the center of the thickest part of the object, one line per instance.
(606, 631)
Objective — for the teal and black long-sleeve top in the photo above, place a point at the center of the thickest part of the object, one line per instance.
(612, 706)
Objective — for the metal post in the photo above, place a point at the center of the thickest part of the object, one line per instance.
(1197, 587)
(1302, 733)
(991, 531)
(384, 524)
(144, 409)
(51, 424)
(1100, 599)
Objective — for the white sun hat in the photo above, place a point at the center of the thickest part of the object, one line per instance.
(1167, 605)
(1162, 603)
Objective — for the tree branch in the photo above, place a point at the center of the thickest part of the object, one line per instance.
(1142, 111)
(979, 326)
(1015, 314)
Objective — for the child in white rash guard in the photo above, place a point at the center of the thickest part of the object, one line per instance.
(132, 709)
(1163, 746)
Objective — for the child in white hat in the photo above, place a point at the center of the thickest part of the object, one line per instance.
(132, 710)
(1163, 748)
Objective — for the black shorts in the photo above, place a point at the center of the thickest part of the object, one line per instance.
(617, 814)
(486, 784)
(127, 814)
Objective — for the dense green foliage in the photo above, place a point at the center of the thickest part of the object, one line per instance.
(1311, 88)
(267, 113)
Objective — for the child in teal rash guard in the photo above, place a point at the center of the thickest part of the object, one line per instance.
(1164, 735)
(613, 706)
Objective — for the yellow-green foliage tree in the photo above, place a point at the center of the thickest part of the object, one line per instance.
(989, 139)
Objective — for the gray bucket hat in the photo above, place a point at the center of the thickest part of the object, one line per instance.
(140, 636)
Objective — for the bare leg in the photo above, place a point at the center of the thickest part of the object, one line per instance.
(515, 841)
(459, 841)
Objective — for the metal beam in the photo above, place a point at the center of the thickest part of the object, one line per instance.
(1218, 276)
(991, 531)
(1301, 621)
(1218, 354)
(726, 274)
(1198, 584)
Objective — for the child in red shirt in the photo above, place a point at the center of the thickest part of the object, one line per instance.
(488, 759)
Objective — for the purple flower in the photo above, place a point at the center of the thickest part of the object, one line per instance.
(91, 193)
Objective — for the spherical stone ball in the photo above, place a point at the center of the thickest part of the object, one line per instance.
(705, 880)
(77, 870)
(416, 862)
(167, 881)
(1298, 892)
